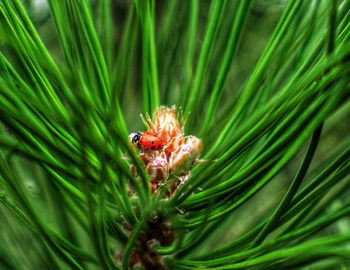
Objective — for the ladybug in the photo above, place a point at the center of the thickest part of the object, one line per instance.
(147, 140)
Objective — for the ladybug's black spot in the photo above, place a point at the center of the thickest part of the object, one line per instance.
(158, 146)
(152, 147)
(152, 142)
(140, 141)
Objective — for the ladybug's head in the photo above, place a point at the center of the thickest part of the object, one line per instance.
(136, 139)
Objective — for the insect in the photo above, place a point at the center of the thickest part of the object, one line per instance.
(147, 140)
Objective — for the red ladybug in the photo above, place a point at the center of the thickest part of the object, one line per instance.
(147, 140)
